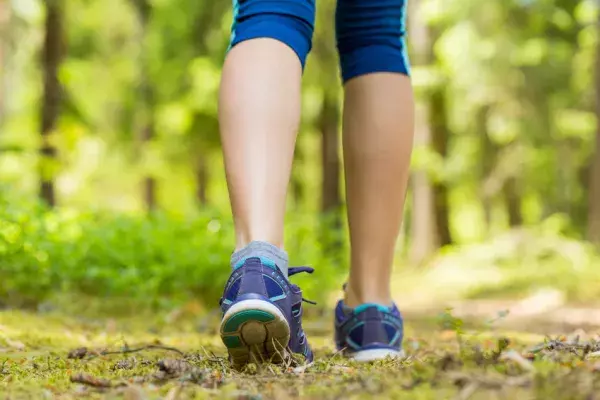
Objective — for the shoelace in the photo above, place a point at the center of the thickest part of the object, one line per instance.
(298, 270)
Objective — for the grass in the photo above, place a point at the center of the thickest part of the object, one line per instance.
(182, 358)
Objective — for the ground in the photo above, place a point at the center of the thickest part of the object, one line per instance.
(150, 357)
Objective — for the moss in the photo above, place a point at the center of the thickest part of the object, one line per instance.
(37, 361)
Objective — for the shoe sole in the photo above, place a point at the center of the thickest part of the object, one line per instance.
(376, 355)
(255, 331)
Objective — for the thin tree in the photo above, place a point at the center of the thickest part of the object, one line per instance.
(594, 185)
(52, 96)
(204, 126)
(330, 159)
(438, 120)
(146, 96)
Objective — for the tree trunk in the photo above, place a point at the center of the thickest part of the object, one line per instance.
(52, 97)
(438, 114)
(201, 178)
(330, 184)
(149, 184)
(330, 158)
(423, 224)
(512, 197)
(594, 195)
(488, 152)
(146, 97)
(593, 233)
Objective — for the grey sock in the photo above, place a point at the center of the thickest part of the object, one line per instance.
(262, 249)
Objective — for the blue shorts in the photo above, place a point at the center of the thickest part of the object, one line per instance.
(370, 34)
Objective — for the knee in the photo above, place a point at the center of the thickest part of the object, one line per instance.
(370, 37)
(288, 21)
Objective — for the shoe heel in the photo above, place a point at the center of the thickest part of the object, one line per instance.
(255, 331)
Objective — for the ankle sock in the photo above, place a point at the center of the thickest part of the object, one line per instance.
(262, 250)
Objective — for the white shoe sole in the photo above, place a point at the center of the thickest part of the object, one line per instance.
(377, 354)
(255, 331)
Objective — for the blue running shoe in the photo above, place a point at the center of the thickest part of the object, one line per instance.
(262, 314)
(371, 332)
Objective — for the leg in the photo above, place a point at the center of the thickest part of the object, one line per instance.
(377, 138)
(378, 128)
(378, 132)
(259, 112)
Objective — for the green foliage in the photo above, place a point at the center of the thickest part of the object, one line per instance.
(522, 262)
(515, 78)
(156, 260)
(517, 75)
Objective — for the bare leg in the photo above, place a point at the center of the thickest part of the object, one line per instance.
(259, 113)
(378, 134)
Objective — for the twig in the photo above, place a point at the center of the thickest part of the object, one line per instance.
(337, 353)
(517, 358)
(90, 380)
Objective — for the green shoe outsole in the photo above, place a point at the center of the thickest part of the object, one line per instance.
(234, 322)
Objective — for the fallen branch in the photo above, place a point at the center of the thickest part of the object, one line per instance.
(147, 347)
(82, 352)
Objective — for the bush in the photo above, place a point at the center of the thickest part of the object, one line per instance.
(157, 260)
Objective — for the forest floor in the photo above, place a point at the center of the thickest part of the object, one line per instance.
(170, 357)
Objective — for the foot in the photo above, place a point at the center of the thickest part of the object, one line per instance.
(369, 332)
(262, 314)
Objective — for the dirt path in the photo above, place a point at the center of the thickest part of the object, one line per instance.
(545, 312)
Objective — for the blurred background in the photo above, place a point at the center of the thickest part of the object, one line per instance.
(112, 188)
